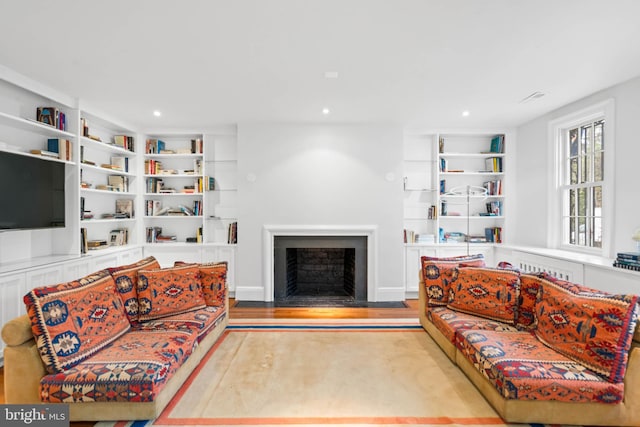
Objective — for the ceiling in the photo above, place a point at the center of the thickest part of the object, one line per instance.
(417, 63)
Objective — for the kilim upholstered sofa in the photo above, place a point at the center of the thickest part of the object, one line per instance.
(117, 344)
(540, 350)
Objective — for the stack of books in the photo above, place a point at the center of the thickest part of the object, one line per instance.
(628, 260)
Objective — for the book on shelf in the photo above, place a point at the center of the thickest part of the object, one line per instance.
(120, 163)
(124, 141)
(63, 147)
(45, 153)
(152, 233)
(631, 256)
(51, 116)
(84, 127)
(444, 165)
(628, 261)
(154, 146)
(118, 237)
(196, 146)
(455, 237)
(494, 207)
(118, 183)
(443, 186)
(84, 244)
(124, 207)
(233, 233)
(493, 234)
(97, 244)
(432, 212)
(493, 164)
(497, 144)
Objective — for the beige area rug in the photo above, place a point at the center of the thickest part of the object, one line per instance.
(326, 373)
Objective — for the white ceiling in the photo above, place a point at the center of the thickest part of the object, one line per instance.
(418, 63)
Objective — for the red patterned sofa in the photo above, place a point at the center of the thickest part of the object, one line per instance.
(117, 344)
(540, 350)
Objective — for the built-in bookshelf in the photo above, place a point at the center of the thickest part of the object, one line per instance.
(174, 184)
(108, 184)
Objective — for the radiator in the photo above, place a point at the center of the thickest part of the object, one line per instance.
(561, 269)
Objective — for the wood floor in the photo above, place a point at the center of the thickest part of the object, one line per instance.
(295, 313)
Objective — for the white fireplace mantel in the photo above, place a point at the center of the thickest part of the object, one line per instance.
(271, 231)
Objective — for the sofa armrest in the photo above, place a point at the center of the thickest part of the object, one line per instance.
(23, 367)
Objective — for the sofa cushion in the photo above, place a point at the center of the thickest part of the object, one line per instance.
(450, 322)
(436, 273)
(72, 321)
(485, 292)
(213, 280)
(529, 287)
(126, 278)
(134, 368)
(201, 321)
(169, 291)
(592, 327)
(521, 367)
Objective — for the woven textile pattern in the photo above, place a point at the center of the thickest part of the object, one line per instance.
(126, 278)
(133, 369)
(521, 367)
(168, 291)
(529, 287)
(213, 279)
(71, 321)
(450, 322)
(201, 320)
(437, 275)
(592, 327)
(485, 292)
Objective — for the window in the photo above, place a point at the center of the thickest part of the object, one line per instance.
(580, 197)
(582, 184)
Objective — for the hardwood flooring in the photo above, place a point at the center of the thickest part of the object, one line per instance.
(295, 313)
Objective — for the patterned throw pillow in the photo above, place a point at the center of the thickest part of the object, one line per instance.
(591, 327)
(126, 278)
(72, 321)
(213, 279)
(436, 273)
(486, 292)
(169, 291)
(529, 287)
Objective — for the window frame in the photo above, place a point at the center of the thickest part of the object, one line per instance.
(557, 207)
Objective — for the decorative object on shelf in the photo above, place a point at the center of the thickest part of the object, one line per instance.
(636, 237)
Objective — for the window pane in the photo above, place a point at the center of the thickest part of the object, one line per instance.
(573, 142)
(582, 202)
(589, 168)
(572, 230)
(572, 202)
(597, 201)
(597, 232)
(583, 169)
(583, 141)
(582, 230)
(573, 168)
(599, 135)
(588, 137)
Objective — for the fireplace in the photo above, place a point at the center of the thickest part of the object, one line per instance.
(320, 268)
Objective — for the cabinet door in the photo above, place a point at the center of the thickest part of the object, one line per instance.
(130, 256)
(219, 254)
(168, 253)
(104, 261)
(412, 266)
(45, 276)
(77, 269)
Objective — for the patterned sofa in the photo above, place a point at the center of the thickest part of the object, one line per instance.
(540, 350)
(117, 344)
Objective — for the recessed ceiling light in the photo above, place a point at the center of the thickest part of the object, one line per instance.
(465, 113)
(326, 111)
(330, 74)
(157, 113)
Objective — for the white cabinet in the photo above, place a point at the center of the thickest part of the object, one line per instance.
(12, 289)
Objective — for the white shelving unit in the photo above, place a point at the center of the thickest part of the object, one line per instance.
(466, 155)
(102, 186)
(173, 201)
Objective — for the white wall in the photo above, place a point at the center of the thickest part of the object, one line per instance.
(531, 176)
(319, 175)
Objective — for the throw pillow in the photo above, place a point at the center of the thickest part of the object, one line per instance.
(591, 327)
(169, 291)
(486, 292)
(213, 279)
(126, 278)
(529, 287)
(436, 273)
(72, 321)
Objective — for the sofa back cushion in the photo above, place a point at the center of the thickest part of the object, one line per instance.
(126, 278)
(213, 280)
(486, 292)
(592, 327)
(72, 321)
(436, 273)
(169, 291)
(529, 287)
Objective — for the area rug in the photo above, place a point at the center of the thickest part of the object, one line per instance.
(319, 372)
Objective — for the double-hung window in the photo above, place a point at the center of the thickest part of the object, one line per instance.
(581, 197)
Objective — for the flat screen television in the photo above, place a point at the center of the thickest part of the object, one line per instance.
(32, 192)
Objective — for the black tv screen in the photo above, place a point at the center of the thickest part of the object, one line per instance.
(32, 192)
